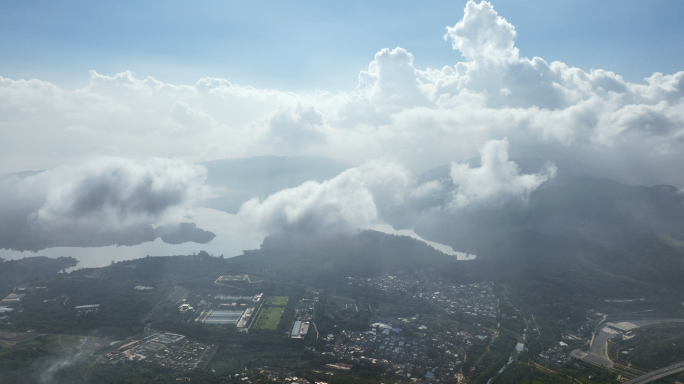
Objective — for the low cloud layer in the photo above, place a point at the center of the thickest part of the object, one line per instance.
(342, 204)
(114, 192)
(383, 191)
(493, 104)
(101, 202)
(362, 197)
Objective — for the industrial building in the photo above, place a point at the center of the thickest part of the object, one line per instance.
(246, 317)
(299, 329)
(91, 308)
(224, 317)
(13, 298)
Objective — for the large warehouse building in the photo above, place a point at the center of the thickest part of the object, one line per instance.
(224, 317)
(300, 329)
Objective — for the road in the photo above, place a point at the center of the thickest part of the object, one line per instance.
(598, 349)
(657, 374)
(535, 324)
(590, 358)
(598, 353)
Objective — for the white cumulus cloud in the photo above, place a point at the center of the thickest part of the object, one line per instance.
(497, 179)
(483, 36)
(342, 204)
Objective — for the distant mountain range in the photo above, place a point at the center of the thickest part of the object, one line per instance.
(575, 205)
(572, 208)
(572, 205)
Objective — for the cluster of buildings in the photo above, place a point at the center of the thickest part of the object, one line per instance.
(236, 313)
(560, 355)
(85, 309)
(143, 288)
(167, 349)
(304, 312)
(7, 304)
(15, 299)
(12, 299)
(476, 301)
(271, 374)
(254, 298)
(282, 376)
(438, 356)
(578, 334)
(555, 357)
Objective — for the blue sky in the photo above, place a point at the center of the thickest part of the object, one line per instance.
(306, 45)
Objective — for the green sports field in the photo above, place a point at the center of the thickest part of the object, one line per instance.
(279, 301)
(269, 318)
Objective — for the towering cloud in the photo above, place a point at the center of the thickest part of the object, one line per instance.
(390, 82)
(483, 36)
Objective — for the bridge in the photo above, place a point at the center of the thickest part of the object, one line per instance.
(657, 374)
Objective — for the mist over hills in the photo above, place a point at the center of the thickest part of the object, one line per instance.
(15, 234)
(570, 205)
(106, 201)
(573, 230)
(331, 258)
(574, 205)
(585, 236)
(239, 180)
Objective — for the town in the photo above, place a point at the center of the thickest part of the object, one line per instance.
(474, 301)
(434, 355)
(166, 349)
(412, 326)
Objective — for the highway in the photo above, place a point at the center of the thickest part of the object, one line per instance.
(598, 347)
(657, 374)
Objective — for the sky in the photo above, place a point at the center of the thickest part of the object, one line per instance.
(303, 45)
(118, 104)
